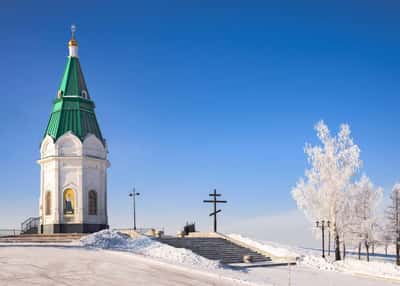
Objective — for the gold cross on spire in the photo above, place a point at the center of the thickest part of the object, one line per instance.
(73, 42)
(73, 30)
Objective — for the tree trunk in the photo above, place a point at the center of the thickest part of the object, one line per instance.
(367, 250)
(337, 246)
(344, 250)
(386, 247)
(398, 251)
(373, 248)
(359, 250)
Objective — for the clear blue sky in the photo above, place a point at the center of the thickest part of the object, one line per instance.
(193, 95)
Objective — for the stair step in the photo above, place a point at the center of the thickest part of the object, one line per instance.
(216, 249)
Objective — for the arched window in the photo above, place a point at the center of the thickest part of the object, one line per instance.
(69, 202)
(84, 94)
(48, 203)
(92, 203)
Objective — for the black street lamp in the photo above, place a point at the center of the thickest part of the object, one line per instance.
(397, 218)
(329, 238)
(133, 195)
(321, 224)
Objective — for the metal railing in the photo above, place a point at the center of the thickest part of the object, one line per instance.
(30, 223)
(9, 232)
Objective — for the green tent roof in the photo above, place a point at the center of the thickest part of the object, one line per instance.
(73, 83)
(73, 110)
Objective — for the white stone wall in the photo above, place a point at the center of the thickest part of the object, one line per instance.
(68, 163)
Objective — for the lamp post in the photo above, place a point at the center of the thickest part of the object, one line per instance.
(329, 237)
(321, 224)
(397, 218)
(133, 195)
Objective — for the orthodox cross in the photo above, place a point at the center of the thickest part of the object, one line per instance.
(215, 201)
(73, 30)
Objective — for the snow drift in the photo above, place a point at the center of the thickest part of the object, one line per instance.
(108, 239)
(272, 248)
(350, 265)
(311, 258)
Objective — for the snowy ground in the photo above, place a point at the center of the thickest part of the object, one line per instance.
(42, 265)
(380, 267)
(111, 259)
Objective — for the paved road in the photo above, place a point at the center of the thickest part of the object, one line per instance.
(46, 265)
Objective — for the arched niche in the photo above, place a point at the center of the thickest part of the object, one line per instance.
(47, 203)
(92, 202)
(69, 202)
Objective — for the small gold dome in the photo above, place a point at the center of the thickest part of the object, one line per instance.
(72, 42)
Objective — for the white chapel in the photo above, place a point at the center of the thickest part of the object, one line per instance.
(73, 159)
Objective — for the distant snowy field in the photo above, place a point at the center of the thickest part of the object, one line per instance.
(112, 258)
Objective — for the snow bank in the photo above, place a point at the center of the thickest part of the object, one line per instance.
(378, 268)
(273, 248)
(108, 239)
(354, 266)
(316, 262)
(312, 259)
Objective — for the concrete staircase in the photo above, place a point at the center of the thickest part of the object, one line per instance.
(215, 248)
(41, 238)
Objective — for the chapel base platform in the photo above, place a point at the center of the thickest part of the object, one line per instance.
(70, 228)
(41, 238)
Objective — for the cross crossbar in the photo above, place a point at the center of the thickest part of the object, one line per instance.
(214, 213)
(215, 201)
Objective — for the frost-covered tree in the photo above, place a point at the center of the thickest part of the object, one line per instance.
(320, 194)
(393, 220)
(386, 237)
(345, 212)
(363, 218)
